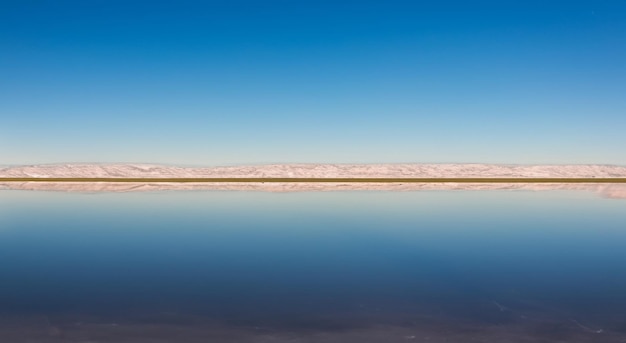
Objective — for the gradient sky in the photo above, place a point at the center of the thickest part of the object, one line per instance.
(243, 82)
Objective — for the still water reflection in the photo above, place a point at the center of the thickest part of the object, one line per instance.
(312, 267)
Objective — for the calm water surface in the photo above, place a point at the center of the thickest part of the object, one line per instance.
(437, 266)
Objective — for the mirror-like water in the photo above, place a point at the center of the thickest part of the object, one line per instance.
(312, 267)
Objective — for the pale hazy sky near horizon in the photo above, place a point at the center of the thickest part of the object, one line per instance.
(244, 82)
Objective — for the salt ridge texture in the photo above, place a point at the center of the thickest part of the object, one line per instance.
(614, 191)
(316, 171)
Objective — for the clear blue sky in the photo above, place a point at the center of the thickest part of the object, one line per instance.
(238, 82)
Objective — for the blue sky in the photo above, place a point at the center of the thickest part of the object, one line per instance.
(243, 82)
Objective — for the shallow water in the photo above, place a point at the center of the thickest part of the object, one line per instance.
(436, 266)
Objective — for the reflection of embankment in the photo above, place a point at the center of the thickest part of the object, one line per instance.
(614, 191)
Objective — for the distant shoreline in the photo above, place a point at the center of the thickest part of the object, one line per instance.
(319, 180)
(318, 174)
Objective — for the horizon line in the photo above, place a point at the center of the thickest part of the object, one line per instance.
(320, 180)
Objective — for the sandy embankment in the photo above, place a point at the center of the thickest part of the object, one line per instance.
(315, 171)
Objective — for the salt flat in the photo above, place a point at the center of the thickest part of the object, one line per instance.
(316, 171)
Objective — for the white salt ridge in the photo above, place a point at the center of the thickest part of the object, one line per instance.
(612, 191)
(316, 171)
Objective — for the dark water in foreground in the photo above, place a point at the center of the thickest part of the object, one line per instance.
(312, 267)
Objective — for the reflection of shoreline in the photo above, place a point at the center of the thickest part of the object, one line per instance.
(607, 190)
